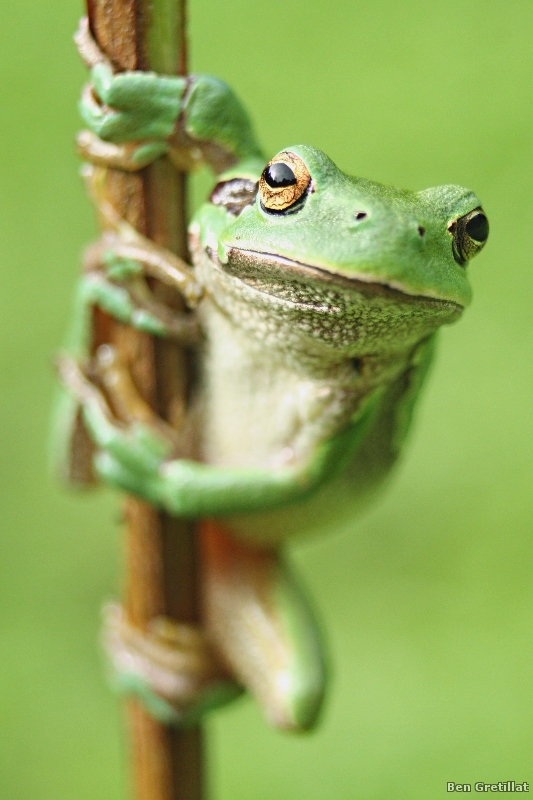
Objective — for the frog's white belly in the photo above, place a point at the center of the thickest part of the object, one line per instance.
(260, 412)
(282, 373)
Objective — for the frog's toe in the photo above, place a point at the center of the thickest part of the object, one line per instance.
(104, 122)
(170, 668)
(102, 79)
(118, 125)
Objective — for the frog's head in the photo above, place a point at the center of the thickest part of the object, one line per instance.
(309, 216)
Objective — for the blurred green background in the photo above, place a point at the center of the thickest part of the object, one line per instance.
(428, 600)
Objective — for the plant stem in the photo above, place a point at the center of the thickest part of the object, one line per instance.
(161, 563)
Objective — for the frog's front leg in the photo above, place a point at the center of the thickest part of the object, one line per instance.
(137, 459)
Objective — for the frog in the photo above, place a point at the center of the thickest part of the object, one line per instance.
(314, 300)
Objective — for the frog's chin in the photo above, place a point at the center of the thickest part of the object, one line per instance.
(263, 271)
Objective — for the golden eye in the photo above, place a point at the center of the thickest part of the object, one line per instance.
(469, 235)
(284, 182)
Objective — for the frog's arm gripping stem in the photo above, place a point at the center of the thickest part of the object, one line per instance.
(139, 460)
(113, 281)
(135, 117)
(124, 252)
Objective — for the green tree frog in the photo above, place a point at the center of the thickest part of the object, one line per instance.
(315, 300)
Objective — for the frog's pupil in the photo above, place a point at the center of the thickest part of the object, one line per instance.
(279, 175)
(478, 228)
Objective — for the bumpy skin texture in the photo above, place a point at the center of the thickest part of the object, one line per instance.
(318, 324)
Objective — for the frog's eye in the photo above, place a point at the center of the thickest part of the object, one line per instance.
(469, 235)
(284, 183)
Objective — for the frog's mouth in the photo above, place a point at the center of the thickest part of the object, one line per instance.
(278, 276)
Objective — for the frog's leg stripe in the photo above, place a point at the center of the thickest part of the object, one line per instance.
(262, 626)
(171, 668)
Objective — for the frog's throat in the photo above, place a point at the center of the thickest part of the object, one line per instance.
(248, 264)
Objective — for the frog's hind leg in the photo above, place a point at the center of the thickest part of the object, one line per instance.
(260, 623)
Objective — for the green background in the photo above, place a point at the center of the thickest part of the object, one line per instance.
(428, 600)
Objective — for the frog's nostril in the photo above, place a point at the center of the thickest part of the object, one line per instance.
(360, 215)
(421, 230)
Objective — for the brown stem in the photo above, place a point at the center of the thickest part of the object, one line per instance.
(161, 565)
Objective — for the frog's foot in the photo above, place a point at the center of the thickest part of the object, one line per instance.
(103, 390)
(127, 106)
(259, 620)
(196, 120)
(132, 116)
(171, 668)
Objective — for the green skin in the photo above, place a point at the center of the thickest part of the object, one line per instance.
(319, 330)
